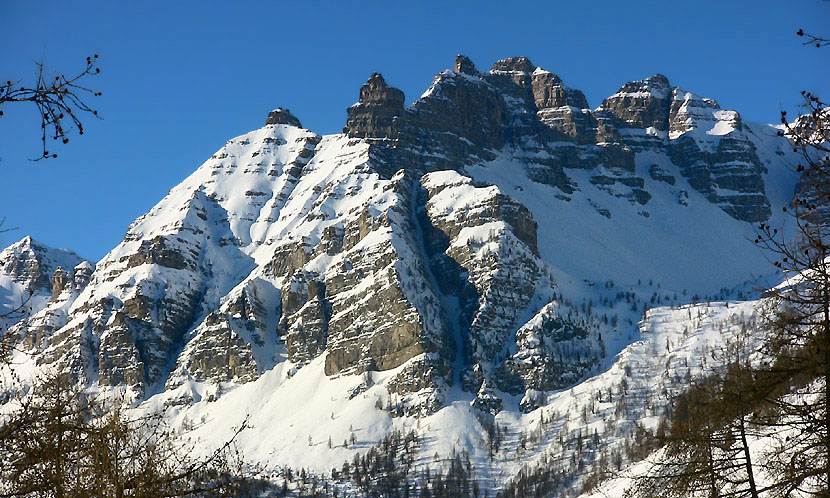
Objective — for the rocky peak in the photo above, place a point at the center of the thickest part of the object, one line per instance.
(642, 104)
(59, 280)
(520, 64)
(658, 81)
(282, 116)
(26, 242)
(32, 264)
(377, 91)
(374, 114)
(463, 64)
(549, 92)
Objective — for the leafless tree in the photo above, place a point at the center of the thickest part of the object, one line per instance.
(798, 346)
(818, 41)
(57, 440)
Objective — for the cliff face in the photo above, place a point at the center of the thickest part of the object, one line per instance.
(467, 116)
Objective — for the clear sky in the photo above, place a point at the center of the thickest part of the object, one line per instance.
(180, 78)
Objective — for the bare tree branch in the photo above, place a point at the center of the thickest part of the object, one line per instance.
(59, 101)
(818, 41)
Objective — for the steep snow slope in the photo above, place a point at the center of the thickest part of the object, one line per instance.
(679, 238)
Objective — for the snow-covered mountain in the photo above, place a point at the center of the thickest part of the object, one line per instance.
(31, 274)
(479, 259)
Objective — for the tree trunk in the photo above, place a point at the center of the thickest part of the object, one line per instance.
(711, 463)
(747, 460)
(825, 343)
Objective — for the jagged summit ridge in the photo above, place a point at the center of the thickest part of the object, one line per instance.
(466, 116)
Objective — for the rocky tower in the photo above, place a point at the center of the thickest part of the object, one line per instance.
(374, 115)
(282, 116)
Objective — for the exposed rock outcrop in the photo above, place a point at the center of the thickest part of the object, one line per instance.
(305, 316)
(642, 104)
(32, 264)
(282, 116)
(374, 115)
(60, 279)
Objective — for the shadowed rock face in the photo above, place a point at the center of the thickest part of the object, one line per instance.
(729, 175)
(549, 91)
(463, 64)
(374, 114)
(282, 116)
(642, 104)
(520, 64)
(305, 316)
(222, 345)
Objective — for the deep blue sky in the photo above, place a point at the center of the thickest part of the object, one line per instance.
(181, 78)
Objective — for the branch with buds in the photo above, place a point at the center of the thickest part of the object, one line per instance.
(813, 40)
(59, 101)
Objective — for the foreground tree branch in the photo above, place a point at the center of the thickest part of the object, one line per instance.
(59, 101)
(818, 41)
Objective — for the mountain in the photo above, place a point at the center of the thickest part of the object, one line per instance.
(32, 274)
(474, 267)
